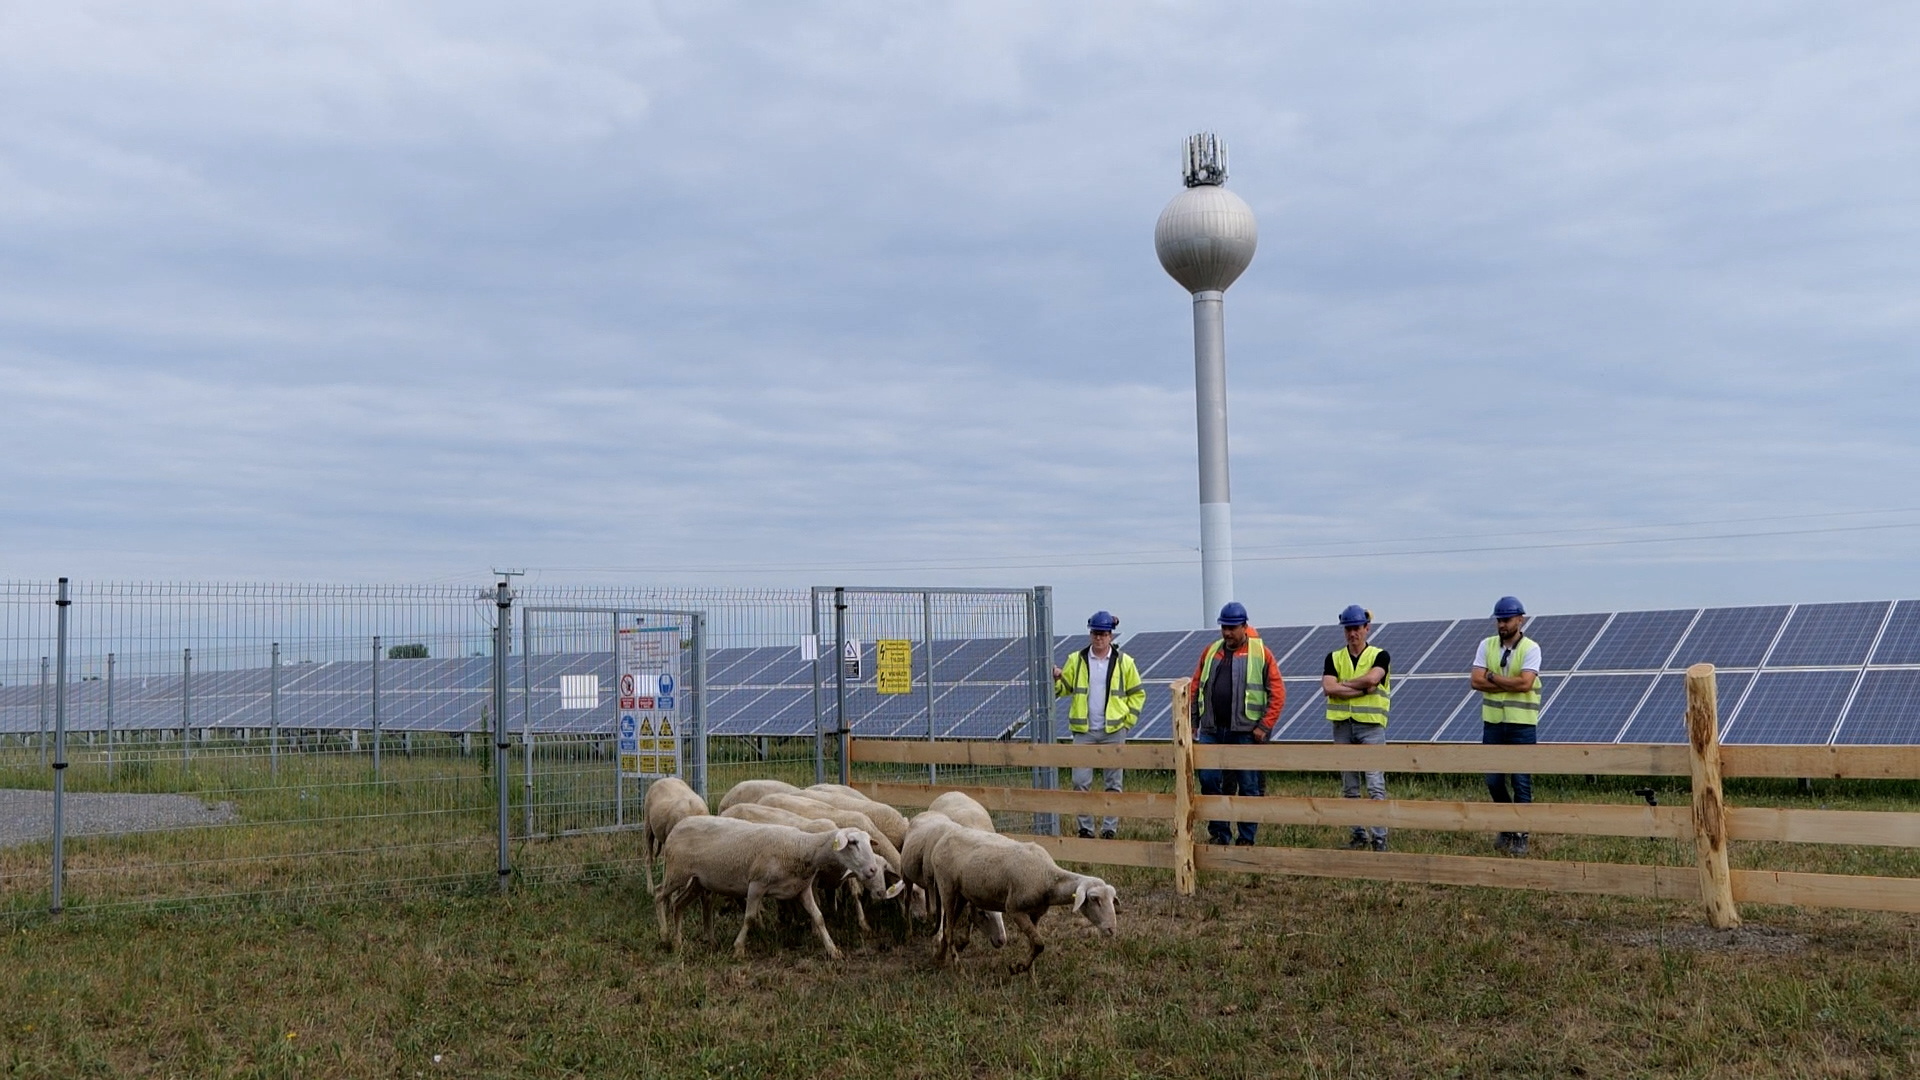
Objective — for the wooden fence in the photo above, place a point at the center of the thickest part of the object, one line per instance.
(1709, 823)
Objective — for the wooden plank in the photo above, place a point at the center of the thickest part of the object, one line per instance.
(1013, 754)
(1106, 852)
(1826, 890)
(1825, 762)
(1563, 759)
(1587, 819)
(1611, 879)
(1867, 827)
(1129, 804)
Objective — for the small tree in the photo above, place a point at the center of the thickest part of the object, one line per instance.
(415, 651)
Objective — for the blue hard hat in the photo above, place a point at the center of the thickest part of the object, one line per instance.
(1103, 620)
(1507, 607)
(1355, 615)
(1234, 614)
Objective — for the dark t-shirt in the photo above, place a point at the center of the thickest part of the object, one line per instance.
(1220, 705)
(1379, 661)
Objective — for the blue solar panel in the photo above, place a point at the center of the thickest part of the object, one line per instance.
(956, 660)
(1592, 708)
(788, 710)
(1900, 643)
(1146, 649)
(1311, 653)
(1009, 664)
(1455, 652)
(1663, 719)
(1421, 706)
(1730, 637)
(1886, 711)
(1562, 638)
(1638, 640)
(721, 664)
(1181, 658)
(1408, 642)
(1824, 635)
(989, 712)
(1304, 715)
(1790, 707)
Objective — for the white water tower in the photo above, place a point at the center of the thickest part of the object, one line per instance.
(1205, 239)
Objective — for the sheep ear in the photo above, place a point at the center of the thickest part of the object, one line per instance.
(839, 839)
(895, 891)
(1079, 894)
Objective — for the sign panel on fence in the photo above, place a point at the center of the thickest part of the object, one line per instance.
(649, 658)
(893, 666)
(850, 659)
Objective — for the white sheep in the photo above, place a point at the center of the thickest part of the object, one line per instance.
(808, 806)
(669, 801)
(773, 815)
(964, 809)
(891, 822)
(722, 856)
(984, 871)
(923, 832)
(751, 790)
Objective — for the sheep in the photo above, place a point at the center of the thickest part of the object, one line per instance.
(669, 801)
(773, 815)
(751, 790)
(891, 821)
(807, 806)
(729, 857)
(962, 808)
(923, 832)
(988, 872)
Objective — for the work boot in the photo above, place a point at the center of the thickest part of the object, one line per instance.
(1358, 841)
(1243, 842)
(1502, 842)
(1519, 845)
(1107, 834)
(1379, 843)
(1086, 833)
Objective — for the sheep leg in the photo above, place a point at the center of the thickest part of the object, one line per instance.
(754, 889)
(1025, 922)
(819, 922)
(646, 849)
(943, 937)
(852, 888)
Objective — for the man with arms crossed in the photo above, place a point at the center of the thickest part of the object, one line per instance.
(1358, 690)
(1506, 671)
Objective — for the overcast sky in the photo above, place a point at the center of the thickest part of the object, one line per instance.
(772, 294)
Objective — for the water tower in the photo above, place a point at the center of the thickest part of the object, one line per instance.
(1205, 239)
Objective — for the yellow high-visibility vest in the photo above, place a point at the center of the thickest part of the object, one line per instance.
(1522, 707)
(1125, 693)
(1368, 708)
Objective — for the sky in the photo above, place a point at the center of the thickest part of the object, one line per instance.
(1608, 306)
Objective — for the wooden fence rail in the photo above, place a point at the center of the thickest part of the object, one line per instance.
(1708, 823)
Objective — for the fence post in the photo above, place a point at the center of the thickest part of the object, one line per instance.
(1185, 879)
(109, 718)
(1709, 803)
(502, 639)
(376, 707)
(273, 712)
(186, 704)
(1046, 778)
(60, 753)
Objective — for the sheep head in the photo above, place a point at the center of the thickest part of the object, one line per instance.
(1094, 899)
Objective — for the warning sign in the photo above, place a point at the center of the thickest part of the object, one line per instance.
(850, 660)
(893, 666)
(649, 659)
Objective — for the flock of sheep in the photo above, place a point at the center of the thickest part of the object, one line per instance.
(773, 840)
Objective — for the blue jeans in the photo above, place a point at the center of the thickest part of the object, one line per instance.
(1230, 782)
(1510, 735)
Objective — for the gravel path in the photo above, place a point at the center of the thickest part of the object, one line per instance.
(26, 817)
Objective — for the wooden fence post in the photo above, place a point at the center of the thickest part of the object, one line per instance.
(1709, 803)
(1184, 878)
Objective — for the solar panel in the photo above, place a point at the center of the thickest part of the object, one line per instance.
(1592, 708)
(1730, 637)
(1822, 635)
(1562, 638)
(1663, 717)
(1885, 711)
(1455, 652)
(1306, 707)
(1421, 706)
(1180, 658)
(1638, 640)
(1146, 649)
(1788, 707)
(1408, 642)
(1900, 642)
(1307, 657)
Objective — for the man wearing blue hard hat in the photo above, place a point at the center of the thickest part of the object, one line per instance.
(1237, 698)
(1104, 683)
(1506, 671)
(1359, 689)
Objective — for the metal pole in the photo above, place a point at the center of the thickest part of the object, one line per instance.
(502, 631)
(376, 706)
(273, 712)
(697, 738)
(1040, 679)
(526, 715)
(41, 739)
(926, 634)
(60, 751)
(840, 677)
(186, 704)
(109, 717)
(619, 778)
(1210, 405)
(819, 724)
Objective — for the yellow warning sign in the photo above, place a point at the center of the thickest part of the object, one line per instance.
(629, 763)
(666, 727)
(646, 726)
(894, 667)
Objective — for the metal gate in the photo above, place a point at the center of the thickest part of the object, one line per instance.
(612, 699)
(931, 663)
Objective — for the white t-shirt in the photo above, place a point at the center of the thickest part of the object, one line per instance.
(1529, 660)
(1097, 671)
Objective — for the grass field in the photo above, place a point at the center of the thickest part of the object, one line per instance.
(1252, 977)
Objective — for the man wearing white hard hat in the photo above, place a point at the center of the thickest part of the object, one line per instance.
(1105, 683)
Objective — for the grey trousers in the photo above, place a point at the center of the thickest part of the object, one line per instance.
(1352, 731)
(1083, 778)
